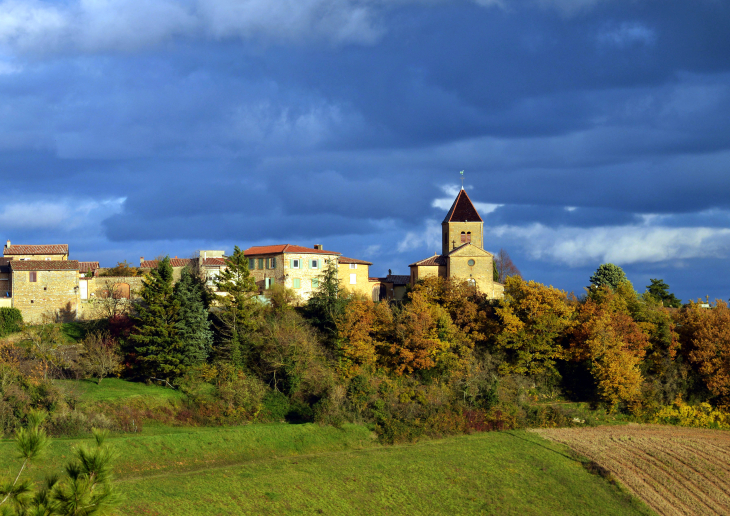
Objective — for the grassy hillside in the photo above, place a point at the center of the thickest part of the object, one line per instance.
(307, 469)
(116, 390)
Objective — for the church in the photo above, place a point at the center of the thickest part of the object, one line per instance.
(462, 251)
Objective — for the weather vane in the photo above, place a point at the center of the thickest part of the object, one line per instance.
(462, 179)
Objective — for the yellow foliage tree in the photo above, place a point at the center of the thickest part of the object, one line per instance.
(534, 319)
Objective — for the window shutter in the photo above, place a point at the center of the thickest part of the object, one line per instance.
(273, 263)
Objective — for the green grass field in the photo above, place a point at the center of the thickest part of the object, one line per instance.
(308, 469)
(116, 390)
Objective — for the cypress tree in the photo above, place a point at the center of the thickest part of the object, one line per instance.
(238, 310)
(155, 336)
(326, 304)
(193, 325)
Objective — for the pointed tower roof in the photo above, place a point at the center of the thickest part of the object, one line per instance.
(462, 210)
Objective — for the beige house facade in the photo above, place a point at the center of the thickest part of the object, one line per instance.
(296, 267)
(45, 288)
(354, 275)
(462, 255)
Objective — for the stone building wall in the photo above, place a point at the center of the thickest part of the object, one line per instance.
(284, 273)
(451, 234)
(42, 257)
(93, 305)
(482, 272)
(54, 293)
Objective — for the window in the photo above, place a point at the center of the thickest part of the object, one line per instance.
(315, 283)
(315, 264)
(297, 283)
(252, 263)
(268, 283)
(261, 263)
(48, 259)
(468, 237)
(272, 263)
(353, 279)
(463, 237)
(295, 263)
(353, 266)
(471, 263)
(33, 276)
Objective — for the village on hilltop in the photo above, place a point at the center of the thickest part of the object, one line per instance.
(40, 280)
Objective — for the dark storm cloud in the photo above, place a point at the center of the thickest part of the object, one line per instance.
(220, 125)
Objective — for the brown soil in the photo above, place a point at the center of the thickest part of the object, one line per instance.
(676, 471)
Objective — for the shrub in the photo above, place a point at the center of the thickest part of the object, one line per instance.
(11, 321)
(696, 416)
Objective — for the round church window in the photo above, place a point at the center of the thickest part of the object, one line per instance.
(471, 263)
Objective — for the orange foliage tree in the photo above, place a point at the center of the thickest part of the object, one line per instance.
(706, 335)
(534, 320)
(607, 335)
(362, 330)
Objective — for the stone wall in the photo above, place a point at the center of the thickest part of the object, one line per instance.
(482, 272)
(97, 304)
(55, 294)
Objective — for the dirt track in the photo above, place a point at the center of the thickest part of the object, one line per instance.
(676, 471)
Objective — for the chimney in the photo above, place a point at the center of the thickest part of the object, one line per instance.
(7, 246)
(141, 260)
(176, 257)
(318, 246)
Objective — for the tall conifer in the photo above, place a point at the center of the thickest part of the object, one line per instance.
(239, 310)
(193, 325)
(156, 338)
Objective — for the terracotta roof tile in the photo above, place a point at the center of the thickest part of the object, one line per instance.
(214, 262)
(431, 261)
(284, 248)
(88, 266)
(35, 249)
(44, 265)
(345, 260)
(175, 262)
(462, 210)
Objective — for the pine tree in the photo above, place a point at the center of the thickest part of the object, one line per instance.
(239, 310)
(193, 325)
(155, 336)
(609, 275)
(326, 305)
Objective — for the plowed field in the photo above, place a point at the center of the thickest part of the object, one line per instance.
(674, 470)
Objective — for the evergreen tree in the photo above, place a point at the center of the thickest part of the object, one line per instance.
(326, 305)
(239, 310)
(610, 275)
(660, 291)
(193, 325)
(155, 336)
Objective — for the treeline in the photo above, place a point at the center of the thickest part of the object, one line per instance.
(445, 360)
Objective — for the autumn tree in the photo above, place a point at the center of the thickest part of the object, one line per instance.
(44, 342)
(504, 267)
(534, 318)
(121, 269)
(363, 329)
(99, 355)
(706, 338)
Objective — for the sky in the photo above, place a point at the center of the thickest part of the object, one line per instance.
(590, 131)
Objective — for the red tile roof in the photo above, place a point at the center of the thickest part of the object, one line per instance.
(462, 210)
(44, 265)
(175, 262)
(346, 260)
(284, 248)
(433, 260)
(214, 262)
(35, 249)
(88, 266)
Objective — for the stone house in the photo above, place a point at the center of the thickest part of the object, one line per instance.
(462, 251)
(293, 266)
(393, 287)
(35, 252)
(42, 288)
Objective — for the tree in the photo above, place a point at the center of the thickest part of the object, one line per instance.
(327, 304)
(43, 342)
(534, 319)
(111, 300)
(193, 325)
(100, 355)
(660, 291)
(122, 269)
(504, 267)
(85, 490)
(238, 309)
(155, 336)
(608, 274)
